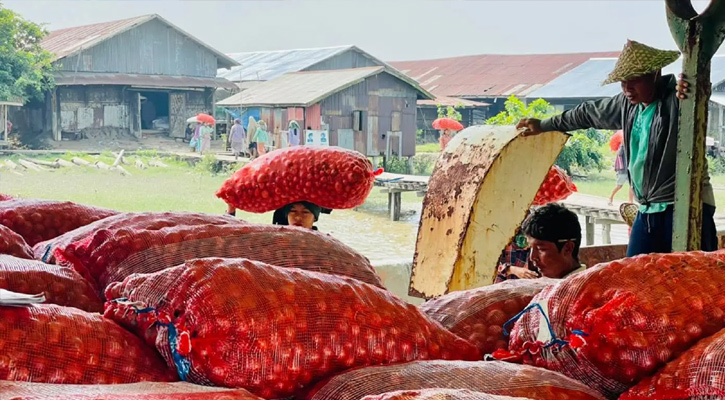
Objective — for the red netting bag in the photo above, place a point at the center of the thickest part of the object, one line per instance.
(5, 197)
(556, 187)
(478, 315)
(60, 285)
(698, 373)
(331, 177)
(126, 391)
(13, 244)
(111, 256)
(47, 250)
(493, 377)
(54, 344)
(270, 330)
(619, 322)
(439, 394)
(39, 220)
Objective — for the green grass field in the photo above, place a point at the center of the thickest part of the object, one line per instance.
(182, 187)
(427, 148)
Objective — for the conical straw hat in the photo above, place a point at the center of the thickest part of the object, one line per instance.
(638, 59)
(629, 212)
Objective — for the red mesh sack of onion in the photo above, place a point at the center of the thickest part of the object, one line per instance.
(53, 344)
(619, 322)
(46, 251)
(39, 220)
(331, 177)
(60, 285)
(478, 315)
(126, 391)
(491, 377)
(699, 373)
(556, 187)
(13, 244)
(273, 331)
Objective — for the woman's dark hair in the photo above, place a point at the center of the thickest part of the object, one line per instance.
(280, 215)
(554, 223)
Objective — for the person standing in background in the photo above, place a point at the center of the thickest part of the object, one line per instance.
(293, 134)
(261, 137)
(620, 168)
(251, 133)
(446, 137)
(205, 138)
(237, 137)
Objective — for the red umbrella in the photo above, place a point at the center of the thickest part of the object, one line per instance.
(447, 123)
(205, 118)
(616, 140)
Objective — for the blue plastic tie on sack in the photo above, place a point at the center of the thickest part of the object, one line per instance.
(183, 366)
(554, 341)
(46, 255)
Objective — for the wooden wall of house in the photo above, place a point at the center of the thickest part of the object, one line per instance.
(152, 48)
(389, 104)
(93, 110)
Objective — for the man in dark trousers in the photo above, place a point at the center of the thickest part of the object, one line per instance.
(648, 112)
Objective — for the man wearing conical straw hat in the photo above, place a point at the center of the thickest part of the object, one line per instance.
(647, 111)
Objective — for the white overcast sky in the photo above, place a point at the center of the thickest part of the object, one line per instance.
(393, 30)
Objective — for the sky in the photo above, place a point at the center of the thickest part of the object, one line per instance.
(393, 30)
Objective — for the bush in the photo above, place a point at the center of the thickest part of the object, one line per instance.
(716, 165)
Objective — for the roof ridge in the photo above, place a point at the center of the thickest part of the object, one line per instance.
(140, 17)
(507, 55)
(290, 50)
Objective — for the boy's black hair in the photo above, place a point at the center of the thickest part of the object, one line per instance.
(554, 223)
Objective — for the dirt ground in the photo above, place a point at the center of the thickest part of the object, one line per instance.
(150, 142)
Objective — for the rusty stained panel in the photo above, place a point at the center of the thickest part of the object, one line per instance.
(492, 75)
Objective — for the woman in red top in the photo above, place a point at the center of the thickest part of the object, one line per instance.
(446, 137)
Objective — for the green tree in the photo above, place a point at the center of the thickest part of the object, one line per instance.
(582, 151)
(25, 68)
(450, 112)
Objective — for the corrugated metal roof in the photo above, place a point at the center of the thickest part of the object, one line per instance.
(582, 81)
(718, 98)
(66, 42)
(585, 81)
(158, 81)
(267, 65)
(300, 89)
(451, 102)
(492, 75)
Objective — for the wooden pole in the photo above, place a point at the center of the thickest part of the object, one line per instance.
(698, 37)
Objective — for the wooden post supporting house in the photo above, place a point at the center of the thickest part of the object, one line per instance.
(698, 37)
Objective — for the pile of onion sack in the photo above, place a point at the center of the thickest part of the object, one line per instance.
(556, 187)
(330, 177)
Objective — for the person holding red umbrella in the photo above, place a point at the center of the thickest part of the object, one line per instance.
(447, 126)
(620, 167)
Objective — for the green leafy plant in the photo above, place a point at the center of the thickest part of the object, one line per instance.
(450, 112)
(25, 68)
